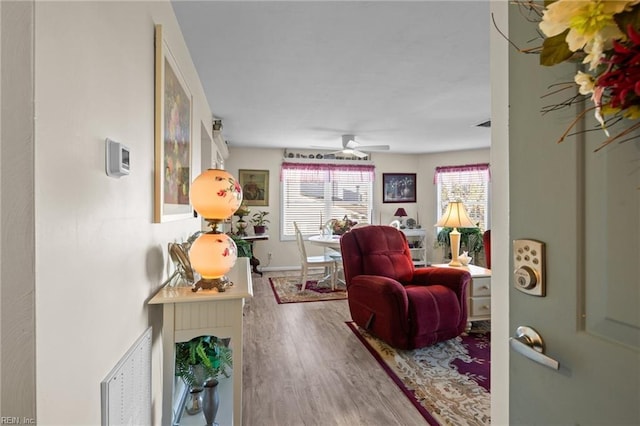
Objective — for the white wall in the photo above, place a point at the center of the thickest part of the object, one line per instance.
(99, 257)
(285, 253)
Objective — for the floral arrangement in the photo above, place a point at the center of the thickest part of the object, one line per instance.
(340, 226)
(602, 34)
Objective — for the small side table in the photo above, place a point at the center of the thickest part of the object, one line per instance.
(478, 294)
(255, 262)
(186, 315)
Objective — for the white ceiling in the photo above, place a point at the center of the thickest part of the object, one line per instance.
(295, 74)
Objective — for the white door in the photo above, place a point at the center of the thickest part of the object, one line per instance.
(585, 208)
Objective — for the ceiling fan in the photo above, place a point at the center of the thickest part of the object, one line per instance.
(351, 147)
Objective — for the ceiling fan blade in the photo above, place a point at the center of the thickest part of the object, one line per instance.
(350, 144)
(359, 154)
(374, 147)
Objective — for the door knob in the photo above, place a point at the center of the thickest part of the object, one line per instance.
(529, 343)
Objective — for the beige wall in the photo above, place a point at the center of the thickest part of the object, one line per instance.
(17, 274)
(284, 253)
(98, 256)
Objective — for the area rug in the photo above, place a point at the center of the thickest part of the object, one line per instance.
(448, 382)
(287, 290)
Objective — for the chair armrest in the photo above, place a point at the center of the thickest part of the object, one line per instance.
(377, 284)
(456, 279)
(380, 305)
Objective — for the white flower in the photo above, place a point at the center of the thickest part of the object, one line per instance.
(586, 82)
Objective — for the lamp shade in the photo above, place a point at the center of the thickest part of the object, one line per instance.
(400, 212)
(215, 194)
(455, 216)
(213, 255)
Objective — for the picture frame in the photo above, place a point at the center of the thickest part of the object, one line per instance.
(173, 136)
(255, 187)
(399, 188)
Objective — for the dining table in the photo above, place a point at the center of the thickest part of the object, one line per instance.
(326, 241)
(331, 243)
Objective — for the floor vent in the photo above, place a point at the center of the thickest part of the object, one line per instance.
(126, 391)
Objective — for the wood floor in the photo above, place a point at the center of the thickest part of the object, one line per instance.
(303, 366)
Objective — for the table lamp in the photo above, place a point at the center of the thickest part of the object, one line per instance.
(455, 216)
(400, 213)
(215, 195)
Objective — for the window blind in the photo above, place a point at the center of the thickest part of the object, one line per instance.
(312, 194)
(468, 183)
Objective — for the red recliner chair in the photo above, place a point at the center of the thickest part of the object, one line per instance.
(407, 307)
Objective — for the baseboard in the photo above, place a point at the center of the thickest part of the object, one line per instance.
(284, 268)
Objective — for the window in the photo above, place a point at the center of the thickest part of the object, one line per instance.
(312, 194)
(469, 184)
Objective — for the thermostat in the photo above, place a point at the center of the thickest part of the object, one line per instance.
(117, 158)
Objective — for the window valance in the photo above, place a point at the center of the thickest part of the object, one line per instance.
(482, 168)
(309, 172)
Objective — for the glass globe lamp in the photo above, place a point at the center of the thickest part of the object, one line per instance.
(215, 194)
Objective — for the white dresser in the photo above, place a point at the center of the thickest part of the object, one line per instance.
(478, 292)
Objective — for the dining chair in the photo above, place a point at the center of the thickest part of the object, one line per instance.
(308, 262)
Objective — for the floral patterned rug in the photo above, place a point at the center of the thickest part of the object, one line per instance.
(447, 382)
(287, 290)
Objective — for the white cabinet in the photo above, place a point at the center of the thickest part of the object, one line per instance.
(417, 245)
(187, 315)
(478, 292)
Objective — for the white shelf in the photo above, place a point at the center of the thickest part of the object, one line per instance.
(418, 248)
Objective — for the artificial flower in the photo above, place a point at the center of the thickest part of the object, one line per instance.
(604, 34)
(589, 25)
(586, 83)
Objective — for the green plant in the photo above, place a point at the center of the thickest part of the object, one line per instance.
(244, 247)
(258, 218)
(202, 358)
(470, 240)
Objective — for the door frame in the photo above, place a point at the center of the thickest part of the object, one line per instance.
(499, 159)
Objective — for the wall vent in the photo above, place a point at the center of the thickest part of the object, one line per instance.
(126, 391)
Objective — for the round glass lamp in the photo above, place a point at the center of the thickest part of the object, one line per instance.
(213, 255)
(215, 195)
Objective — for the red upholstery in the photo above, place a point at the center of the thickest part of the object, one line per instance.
(486, 242)
(405, 306)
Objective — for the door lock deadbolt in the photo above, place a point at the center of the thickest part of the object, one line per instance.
(528, 262)
(526, 277)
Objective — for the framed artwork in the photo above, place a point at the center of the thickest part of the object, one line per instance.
(173, 137)
(398, 187)
(255, 187)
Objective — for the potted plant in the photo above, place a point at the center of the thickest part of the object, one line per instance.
(200, 362)
(470, 240)
(244, 247)
(259, 222)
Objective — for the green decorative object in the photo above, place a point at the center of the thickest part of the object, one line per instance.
(203, 358)
(470, 240)
(260, 221)
(244, 247)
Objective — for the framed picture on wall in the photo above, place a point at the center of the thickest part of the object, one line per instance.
(398, 187)
(255, 187)
(173, 137)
